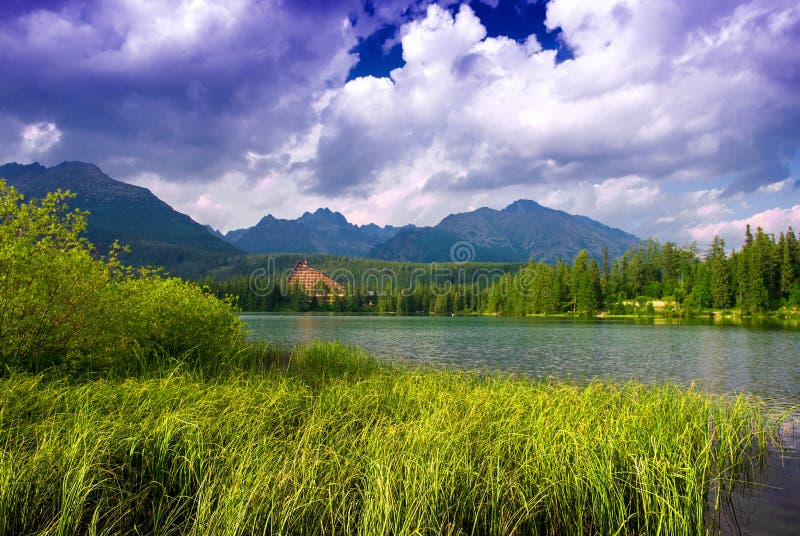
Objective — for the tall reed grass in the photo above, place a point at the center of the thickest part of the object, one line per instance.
(325, 440)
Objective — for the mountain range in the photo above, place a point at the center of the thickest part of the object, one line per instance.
(322, 231)
(160, 235)
(155, 232)
(521, 231)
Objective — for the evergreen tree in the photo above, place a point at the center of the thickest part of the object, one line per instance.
(588, 294)
(558, 290)
(298, 299)
(634, 273)
(790, 269)
(719, 274)
(701, 292)
(669, 268)
(761, 271)
(579, 268)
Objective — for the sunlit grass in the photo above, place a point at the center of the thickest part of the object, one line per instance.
(326, 440)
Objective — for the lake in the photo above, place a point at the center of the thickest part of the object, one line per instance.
(762, 358)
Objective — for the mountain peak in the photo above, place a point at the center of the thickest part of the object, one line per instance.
(324, 216)
(526, 205)
(321, 231)
(521, 231)
(120, 211)
(14, 169)
(76, 165)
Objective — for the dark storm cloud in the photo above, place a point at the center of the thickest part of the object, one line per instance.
(182, 92)
(10, 9)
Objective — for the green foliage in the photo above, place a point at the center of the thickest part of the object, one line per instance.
(719, 274)
(325, 440)
(51, 289)
(762, 276)
(169, 316)
(63, 305)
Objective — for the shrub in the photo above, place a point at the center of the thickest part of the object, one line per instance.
(63, 305)
(171, 317)
(51, 289)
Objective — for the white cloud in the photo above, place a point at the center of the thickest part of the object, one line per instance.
(235, 200)
(643, 97)
(776, 187)
(205, 202)
(139, 30)
(772, 220)
(625, 192)
(183, 89)
(664, 105)
(38, 138)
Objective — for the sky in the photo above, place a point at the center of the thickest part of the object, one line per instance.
(674, 119)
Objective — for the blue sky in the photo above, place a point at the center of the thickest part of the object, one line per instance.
(380, 52)
(667, 118)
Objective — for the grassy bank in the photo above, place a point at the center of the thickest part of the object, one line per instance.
(326, 440)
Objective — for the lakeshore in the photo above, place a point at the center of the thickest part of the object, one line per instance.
(133, 403)
(326, 439)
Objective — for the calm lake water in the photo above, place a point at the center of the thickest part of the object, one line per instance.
(759, 358)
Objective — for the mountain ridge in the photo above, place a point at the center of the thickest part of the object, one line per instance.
(156, 233)
(323, 231)
(522, 230)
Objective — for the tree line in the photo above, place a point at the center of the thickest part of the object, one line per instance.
(763, 275)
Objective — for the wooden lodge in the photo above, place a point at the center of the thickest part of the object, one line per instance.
(315, 283)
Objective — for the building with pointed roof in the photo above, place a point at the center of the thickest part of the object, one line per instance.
(313, 282)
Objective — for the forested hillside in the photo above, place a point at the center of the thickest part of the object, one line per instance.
(259, 282)
(763, 275)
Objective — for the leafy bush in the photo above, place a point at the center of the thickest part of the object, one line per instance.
(63, 305)
(172, 317)
(51, 288)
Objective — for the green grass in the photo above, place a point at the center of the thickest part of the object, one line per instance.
(326, 440)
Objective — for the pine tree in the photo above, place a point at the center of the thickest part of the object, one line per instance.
(578, 271)
(588, 295)
(298, 299)
(719, 274)
(753, 294)
(634, 274)
(788, 246)
(669, 268)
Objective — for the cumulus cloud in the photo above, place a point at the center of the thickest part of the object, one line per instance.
(182, 89)
(672, 115)
(26, 142)
(655, 90)
(775, 187)
(648, 208)
(39, 137)
(771, 221)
